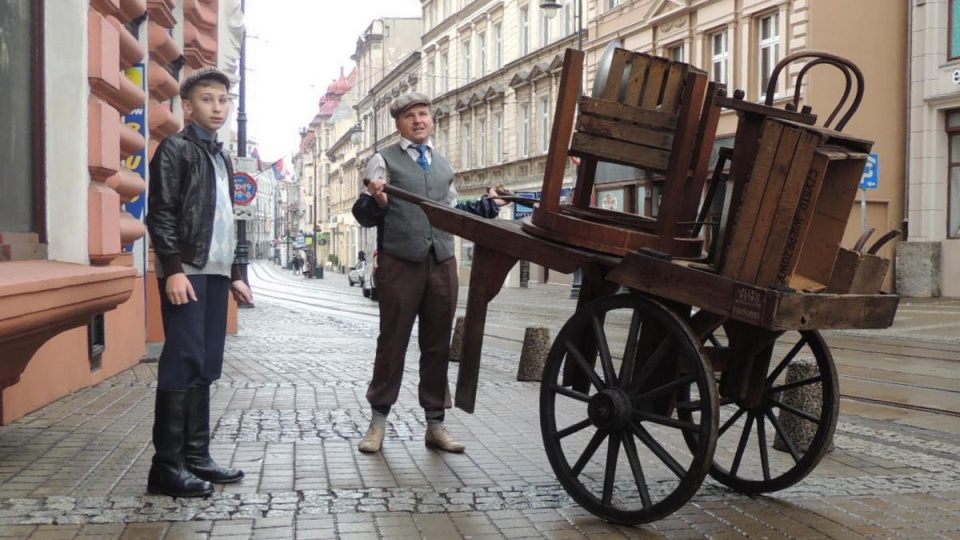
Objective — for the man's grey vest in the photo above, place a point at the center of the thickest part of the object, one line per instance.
(407, 233)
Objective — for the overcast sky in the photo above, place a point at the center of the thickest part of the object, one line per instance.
(295, 49)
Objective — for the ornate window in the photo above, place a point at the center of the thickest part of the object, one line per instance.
(769, 44)
(719, 56)
(953, 175)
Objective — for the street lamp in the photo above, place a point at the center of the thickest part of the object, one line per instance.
(356, 135)
(551, 8)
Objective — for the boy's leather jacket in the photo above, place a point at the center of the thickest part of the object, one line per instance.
(182, 202)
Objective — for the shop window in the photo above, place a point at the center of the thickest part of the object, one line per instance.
(21, 121)
(953, 175)
(96, 338)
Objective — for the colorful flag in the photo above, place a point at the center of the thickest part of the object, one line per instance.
(256, 154)
(279, 171)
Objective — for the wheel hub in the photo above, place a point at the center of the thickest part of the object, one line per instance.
(610, 409)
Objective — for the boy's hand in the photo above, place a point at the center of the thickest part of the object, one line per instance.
(241, 292)
(180, 290)
(494, 191)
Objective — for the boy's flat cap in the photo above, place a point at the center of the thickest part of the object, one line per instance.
(405, 101)
(206, 72)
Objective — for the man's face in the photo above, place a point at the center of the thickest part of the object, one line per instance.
(416, 124)
(208, 104)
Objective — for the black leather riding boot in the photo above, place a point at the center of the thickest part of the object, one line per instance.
(196, 447)
(168, 474)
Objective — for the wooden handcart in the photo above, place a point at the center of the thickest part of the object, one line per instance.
(708, 365)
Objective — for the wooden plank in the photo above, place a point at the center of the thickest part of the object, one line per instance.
(766, 111)
(625, 132)
(870, 275)
(612, 109)
(743, 155)
(621, 152)
(741, 229)
(638, 76)
(490, 268)
(702, 148)
(508, 237)
(844, 270)
(673, 87)
(765, 212)
(562, 129)
(681, 160)
(619, 62)
(583, 189)
(829, 220)
(609, 239)
(809, 193)
(767, 308)
(653, 86)
(786, 209)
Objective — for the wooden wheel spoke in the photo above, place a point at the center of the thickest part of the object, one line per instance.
(742, 445)
(762, 444)
(610, 474)
(665, 421)
(796, 384)
(664, 388)
(630, 349)
(782, 433)
(786, 360)
(658, 450)
(733, 419)
(606, 361)
(581, 362)
(588, 452)
(570, 393)
(572, 429)
(653, 362)
(796, 411)
(634, 459)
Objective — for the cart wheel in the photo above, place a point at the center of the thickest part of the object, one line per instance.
(625, 420)
(776, 443)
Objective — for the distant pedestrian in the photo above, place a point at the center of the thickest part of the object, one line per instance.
(190, 220)
(417, 271)
(297, 264)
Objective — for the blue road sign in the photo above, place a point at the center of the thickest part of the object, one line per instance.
(871, 173)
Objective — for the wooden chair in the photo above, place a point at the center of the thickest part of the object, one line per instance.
(650, 113)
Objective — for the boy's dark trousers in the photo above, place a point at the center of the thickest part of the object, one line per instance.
(191, 360)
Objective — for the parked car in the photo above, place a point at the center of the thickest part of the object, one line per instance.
(369, 283)
(357, 274)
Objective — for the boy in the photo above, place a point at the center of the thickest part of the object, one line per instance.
(190, 220)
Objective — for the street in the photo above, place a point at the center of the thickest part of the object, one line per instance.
(290, 410)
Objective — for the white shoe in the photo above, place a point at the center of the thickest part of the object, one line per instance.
(441, 439)
(373, 440)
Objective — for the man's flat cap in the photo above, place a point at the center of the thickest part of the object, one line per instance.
(201, 74)
(405, 101)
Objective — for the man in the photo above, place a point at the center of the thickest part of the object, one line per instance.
(417, 272)
(190, 220)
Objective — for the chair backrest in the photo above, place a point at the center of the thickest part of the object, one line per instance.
(639, 117)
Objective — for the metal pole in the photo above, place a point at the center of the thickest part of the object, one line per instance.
(243, 251)
(578, 273)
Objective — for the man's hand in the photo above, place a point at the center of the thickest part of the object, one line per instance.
(375, 187)
(241, 292)
(180, 290)
(494, 191)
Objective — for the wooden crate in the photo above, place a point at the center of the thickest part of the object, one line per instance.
(794, 207)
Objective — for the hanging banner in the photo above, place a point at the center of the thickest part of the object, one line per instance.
(137, 162)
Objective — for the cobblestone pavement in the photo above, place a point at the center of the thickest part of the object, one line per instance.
(290, 411)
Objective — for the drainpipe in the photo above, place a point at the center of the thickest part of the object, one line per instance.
(906, 162)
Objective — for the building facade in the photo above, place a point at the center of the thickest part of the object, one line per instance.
(92, 86)
(929, 260)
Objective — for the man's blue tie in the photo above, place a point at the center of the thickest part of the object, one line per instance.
(422, 160)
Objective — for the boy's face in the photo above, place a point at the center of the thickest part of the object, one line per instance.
(208, 104)
(416, 124)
